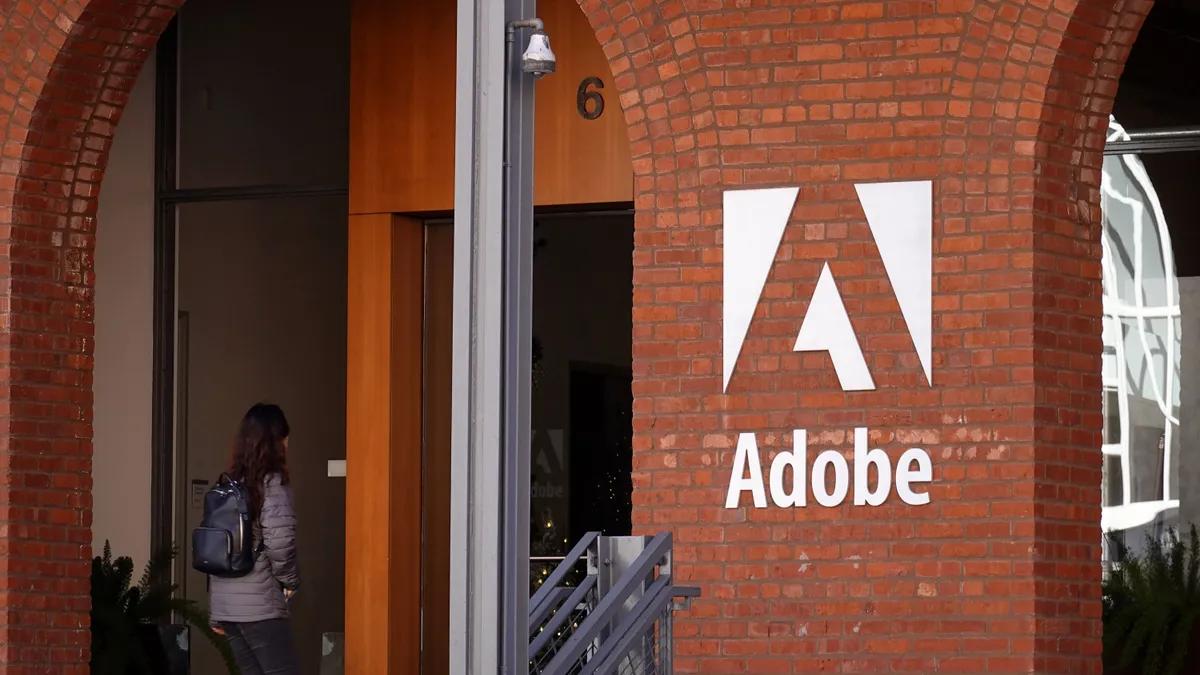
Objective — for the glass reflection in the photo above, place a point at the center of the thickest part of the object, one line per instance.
(1141, 355)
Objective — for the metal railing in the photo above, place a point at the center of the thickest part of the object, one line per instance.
(606, 608)
(614, 618)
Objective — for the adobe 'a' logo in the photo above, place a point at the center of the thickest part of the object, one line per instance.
(900, 215)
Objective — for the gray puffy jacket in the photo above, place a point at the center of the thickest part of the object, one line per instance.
(258, 596)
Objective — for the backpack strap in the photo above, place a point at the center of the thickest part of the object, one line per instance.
(260, 546)
(244, 506)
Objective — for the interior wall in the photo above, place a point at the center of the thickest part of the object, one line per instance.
(264, 100)
(124, 357)
(263, 285)
(264, 92)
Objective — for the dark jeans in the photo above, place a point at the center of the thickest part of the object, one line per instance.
(263, 647)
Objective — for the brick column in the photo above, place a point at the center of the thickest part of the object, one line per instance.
(68, 68)
(1003, 107)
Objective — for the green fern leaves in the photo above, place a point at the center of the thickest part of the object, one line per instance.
(126, 619)
(1151, 602)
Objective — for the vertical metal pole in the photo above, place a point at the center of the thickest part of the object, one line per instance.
(518, 345)
(475, 513)
(166, 132)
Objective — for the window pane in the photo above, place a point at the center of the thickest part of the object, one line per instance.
(1142, 351)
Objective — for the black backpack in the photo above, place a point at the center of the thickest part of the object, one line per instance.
(223, 545)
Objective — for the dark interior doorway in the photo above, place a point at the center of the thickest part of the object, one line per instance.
(601, 401)
(581, 454)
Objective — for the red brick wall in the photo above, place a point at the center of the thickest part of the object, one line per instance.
(1001, 104)
(67, 72)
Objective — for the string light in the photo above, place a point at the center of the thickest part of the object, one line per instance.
(543, 545)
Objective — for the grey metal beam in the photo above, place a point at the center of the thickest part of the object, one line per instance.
(162, 458)
(1156, 141)
(241, 192)
(518, 344)
(477, 341)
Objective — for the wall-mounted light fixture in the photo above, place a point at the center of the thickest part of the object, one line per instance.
(538, 59)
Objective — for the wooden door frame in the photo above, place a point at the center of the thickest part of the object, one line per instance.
(383, 444)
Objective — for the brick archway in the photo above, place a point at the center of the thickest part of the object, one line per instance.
(1003, 105)
(69, 68)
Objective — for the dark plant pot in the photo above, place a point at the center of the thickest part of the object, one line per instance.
(167, 648)
(333, 654)
(154, 647)
(176, 641)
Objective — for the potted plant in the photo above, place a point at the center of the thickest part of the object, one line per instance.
(1150, 605)
(128, 622)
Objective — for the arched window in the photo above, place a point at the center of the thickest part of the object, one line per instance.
(1142, 350)
(1151, 273)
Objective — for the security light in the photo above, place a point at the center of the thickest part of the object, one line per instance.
(538, 59)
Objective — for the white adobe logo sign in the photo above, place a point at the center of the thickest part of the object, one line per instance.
(900, 215)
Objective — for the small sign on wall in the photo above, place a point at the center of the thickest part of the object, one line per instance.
(199, 489)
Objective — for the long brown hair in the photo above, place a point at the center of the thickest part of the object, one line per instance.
(258, 451)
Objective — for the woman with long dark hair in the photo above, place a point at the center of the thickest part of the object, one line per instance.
(252, 610)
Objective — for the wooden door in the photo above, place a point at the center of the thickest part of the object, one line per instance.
(383, 444)
(400, 324)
